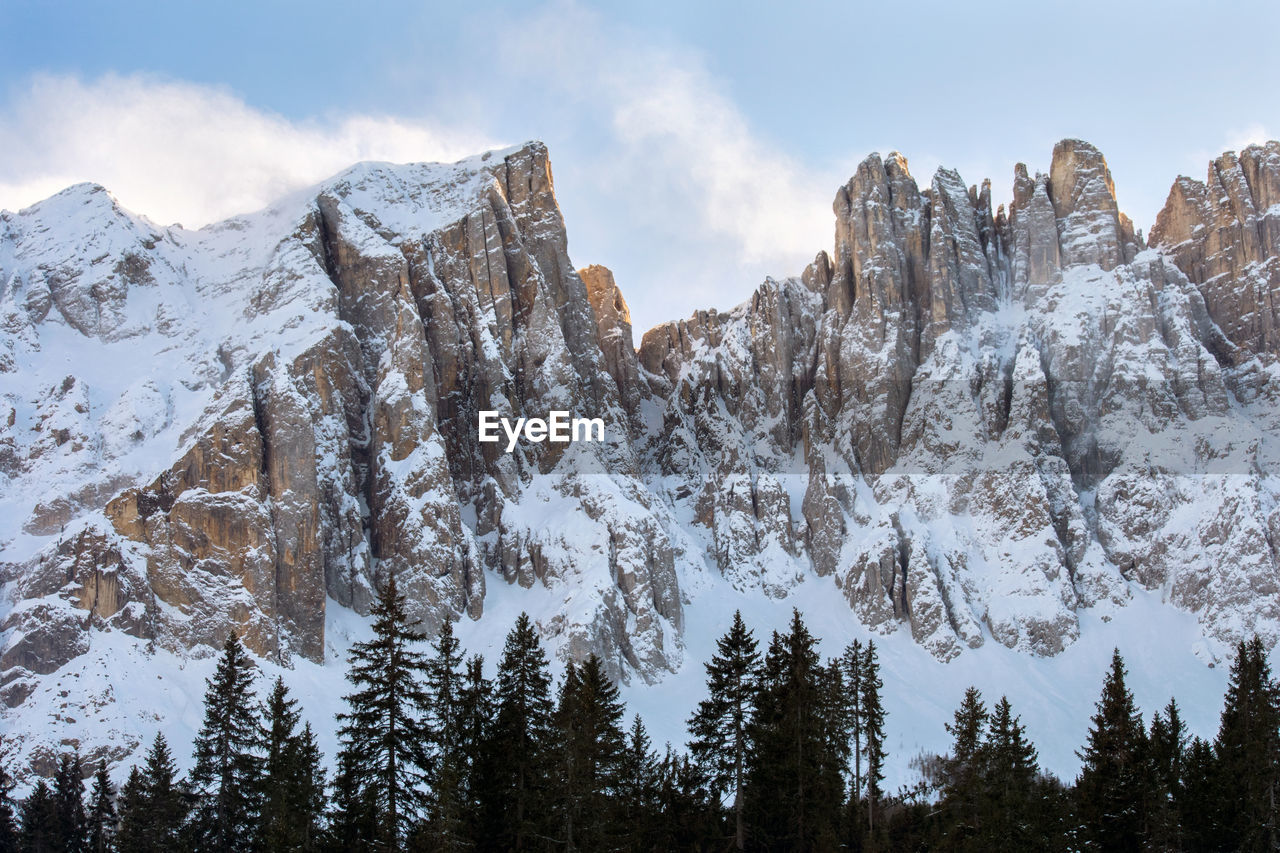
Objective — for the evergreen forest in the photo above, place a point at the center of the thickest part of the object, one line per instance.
(786, 752)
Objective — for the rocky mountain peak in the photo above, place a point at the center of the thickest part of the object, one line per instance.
(614, 337)
(1224, 235)
(969, 426)
(1091, 228)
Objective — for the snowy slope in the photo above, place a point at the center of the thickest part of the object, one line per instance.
(998, 443)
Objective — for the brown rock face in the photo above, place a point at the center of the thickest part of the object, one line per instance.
(614, 337)
(338, 440)
(412, 536)
(1084, 203)
(882, 240)
(207, 532)
(970, 423)
(1035, 260)
(1010, 369)
(1224, 235)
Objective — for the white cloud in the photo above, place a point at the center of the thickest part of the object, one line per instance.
(1241, 138)
(661, 174)
(700, 205)
(177, 151)
(674, 122)
(1195, 162)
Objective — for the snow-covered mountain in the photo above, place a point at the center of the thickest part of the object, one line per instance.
(998, 438)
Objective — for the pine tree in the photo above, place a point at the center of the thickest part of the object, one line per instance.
(566, 788)
(835, 719)
(444, 677)
(281, 718)
(590, 745)
(521, 742)
(102, 812)
(384, 737)
(8, 813)
(293, 793)
(1009, 786)
(227, 776)
(132, 829)
(851, 668)
(40, 821)
(689, 814)
(1111, 786)
(1168, 750)
(719, 727)
(352, 813)
(445, 829)
(636, 805)
(152, 807)
(1198, 802)
(792, 801)
(475, 724)
(310, 788)
(68, 795)
(1247, 750)
(873, 718)
(963, 772)
(1167, 746)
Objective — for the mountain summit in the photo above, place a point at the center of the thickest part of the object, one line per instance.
(970, 425)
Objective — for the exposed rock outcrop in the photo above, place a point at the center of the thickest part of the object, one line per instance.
(971, 423)
(360, 336)
(1224, 235)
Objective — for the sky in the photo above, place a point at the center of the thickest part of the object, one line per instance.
(696, 146)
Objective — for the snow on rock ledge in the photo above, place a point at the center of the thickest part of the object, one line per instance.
(969, 425)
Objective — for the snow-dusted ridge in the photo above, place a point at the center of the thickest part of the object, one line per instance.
(998, 441)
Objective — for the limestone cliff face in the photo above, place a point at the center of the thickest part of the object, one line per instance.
(616, 341)
(1032, 372)
(335, 380)
(1224, 235)
(971, 423)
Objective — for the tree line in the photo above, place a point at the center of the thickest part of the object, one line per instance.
(785, 753)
